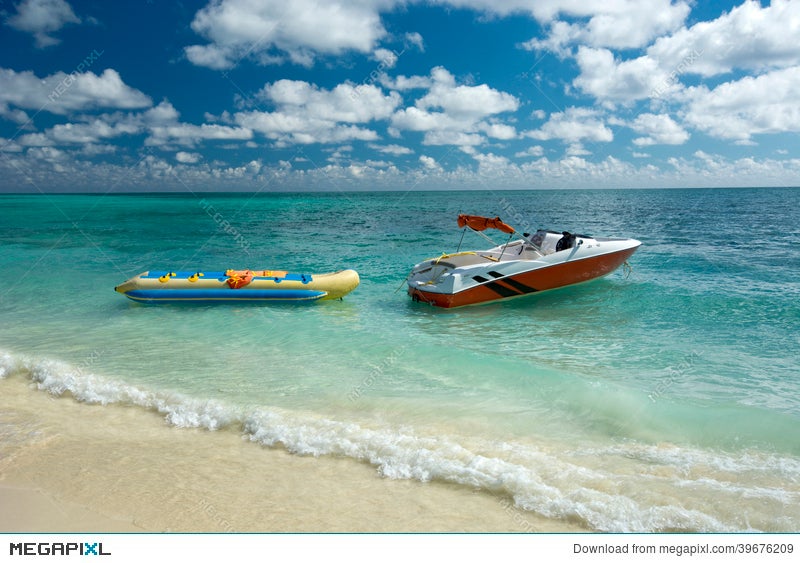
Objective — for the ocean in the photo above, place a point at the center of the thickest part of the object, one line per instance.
(664, 398)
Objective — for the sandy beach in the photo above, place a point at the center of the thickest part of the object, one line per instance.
(72, 467)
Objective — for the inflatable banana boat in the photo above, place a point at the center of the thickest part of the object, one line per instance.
(164, 286)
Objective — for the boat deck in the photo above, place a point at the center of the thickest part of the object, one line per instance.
(517, 250)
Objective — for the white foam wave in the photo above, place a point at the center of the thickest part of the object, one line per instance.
(553, 487)
(60, 378)
(8, 364)
(683, 459)
(572, 485)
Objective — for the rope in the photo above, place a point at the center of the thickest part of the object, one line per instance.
(627, 268)
(402, 283)
(463, 232)
(445, 255)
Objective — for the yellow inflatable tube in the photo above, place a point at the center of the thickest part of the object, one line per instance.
(156, 286)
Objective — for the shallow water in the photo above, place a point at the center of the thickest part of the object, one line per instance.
(665, 400)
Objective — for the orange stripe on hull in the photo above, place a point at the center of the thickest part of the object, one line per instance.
(542, 279)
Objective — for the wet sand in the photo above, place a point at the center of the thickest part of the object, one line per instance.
(72, 467)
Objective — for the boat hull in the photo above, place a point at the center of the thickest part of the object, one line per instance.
(492, 284)
(200, 287)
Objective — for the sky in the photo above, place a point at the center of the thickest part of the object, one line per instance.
(307, 95)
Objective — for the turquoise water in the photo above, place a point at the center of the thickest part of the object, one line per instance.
(668, 399)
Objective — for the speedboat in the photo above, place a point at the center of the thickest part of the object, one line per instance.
(164, 286)
(524, 265)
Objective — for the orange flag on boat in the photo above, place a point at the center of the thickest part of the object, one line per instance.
(478, 223)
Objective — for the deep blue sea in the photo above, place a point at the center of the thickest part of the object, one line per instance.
(661, 400)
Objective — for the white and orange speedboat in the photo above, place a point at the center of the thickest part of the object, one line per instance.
(522, 266)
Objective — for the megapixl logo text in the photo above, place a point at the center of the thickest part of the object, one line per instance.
(56, 548)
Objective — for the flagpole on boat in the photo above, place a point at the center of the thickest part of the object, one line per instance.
(505, 246)
(463, 232)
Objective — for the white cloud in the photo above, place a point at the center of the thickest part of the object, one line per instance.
(48, 154)
(308, 114)
(620, 24)
(161, 122)
(396, 150)
(498, 131)
(559, 41)
(717, 170)
(494, 165)
(63, 93)
(8, 145)
(738, 109)
(79, 133)
(42, 18)
(188, 157)
(458, 138)
(36, 140)
(211, 56)
(548, 10)
(749, 37)
(163, 113)
(658, 130)
(573, 126)
(577, 171)
(452, 114)
(346, 102)
(618, 81)
(429, 162)
(188, 134)
(402, 82)
(577, 149)
(469, 101)
(15, 115)
(385, 57)
(415, 39)
(416, 119)
(271, 30)
(702, 169)
(633, 24)
(338, 151)
(535, 150)
(96, 149)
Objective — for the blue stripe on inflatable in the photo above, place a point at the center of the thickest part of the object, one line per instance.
(223, 294)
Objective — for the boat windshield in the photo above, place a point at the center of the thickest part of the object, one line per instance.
(545, 240)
